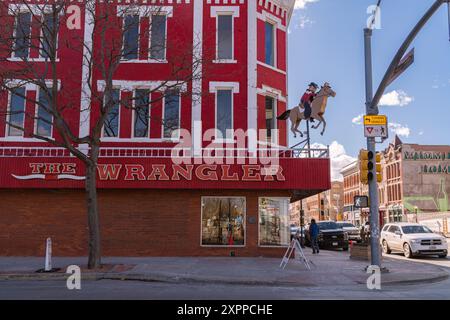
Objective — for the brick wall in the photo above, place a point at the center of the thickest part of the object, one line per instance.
(133, 223)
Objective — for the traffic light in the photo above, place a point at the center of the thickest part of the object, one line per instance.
(379, 169)
(366, 165)
(367, 162)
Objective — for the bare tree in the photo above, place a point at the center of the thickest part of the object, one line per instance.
(111, 42)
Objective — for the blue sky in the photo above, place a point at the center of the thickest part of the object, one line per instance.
(326, 44)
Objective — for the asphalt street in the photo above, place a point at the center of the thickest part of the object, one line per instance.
(116, 289)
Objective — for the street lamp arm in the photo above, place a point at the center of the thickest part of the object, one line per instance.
(401, 52)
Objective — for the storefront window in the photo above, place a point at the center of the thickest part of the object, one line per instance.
(274, 222)
(223, 221)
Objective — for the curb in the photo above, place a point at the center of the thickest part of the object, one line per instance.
(194, 279)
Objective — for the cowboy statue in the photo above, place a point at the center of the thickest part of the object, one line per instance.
(312, 106)
(308, 98)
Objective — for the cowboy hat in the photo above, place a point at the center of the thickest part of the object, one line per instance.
(314, 85)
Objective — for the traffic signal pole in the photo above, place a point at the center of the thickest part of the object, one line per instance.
(373, 185)
(372, 109)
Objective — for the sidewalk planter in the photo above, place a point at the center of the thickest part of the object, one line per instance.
(361, 251)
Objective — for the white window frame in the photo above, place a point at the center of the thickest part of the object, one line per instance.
(149, 58)
(274, 135)
(122, 59)
(164, 118)
(131, 86)
(34, 9)
(145, 11)
(259, 229)
(278, 97)
(233, 11)
(28, 87)
(103, 137)
(16, 20)
(36, 113)
(8, 116)
(244, 222)
(234, 88)
(133, 116)
(275, 53)
(41, 35)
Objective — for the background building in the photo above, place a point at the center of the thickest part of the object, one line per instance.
(415, 185)
(330, 203)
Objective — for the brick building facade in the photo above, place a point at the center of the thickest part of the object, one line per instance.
(414, 186)
(221, 198)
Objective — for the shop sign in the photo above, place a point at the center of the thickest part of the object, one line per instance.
(156, 172)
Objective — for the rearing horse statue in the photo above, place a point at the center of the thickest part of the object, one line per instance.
(318, 108)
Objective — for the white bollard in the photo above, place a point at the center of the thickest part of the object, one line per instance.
(48, 255)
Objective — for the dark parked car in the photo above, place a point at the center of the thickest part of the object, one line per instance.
(330, 236)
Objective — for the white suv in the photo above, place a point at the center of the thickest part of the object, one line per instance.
(412, 239)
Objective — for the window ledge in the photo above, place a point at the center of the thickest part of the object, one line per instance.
(224, 141)
(225, 61)
(16, 59)
(20, 139)
(271, 67)
(143, 61)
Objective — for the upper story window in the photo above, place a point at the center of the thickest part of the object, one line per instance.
(16, 118)
(270, 43)
(158, 37)
(111, 124)
(48, 36)
(224, 112)
(225, 32)
(136, 32)
(171, 114)
(225, 37)
(131, 37)
(224, 107)
(44, 118)
(270, 117)
(141, 113)
(22, 35)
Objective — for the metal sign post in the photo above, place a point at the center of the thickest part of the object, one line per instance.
(373, 186)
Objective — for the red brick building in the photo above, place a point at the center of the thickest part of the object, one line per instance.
(160, 192)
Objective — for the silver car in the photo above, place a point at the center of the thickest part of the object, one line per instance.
(412, 239)
(353, 232)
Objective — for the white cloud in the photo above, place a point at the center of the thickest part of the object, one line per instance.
(396, 98)
(421, 133)
(357, 120)
(399, 129)
(338, 158)
(303, 22)
(301, 4)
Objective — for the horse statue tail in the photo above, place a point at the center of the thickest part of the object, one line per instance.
(284, 115)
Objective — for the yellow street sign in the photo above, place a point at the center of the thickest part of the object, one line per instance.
(375, 120)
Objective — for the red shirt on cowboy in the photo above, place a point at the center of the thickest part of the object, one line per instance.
(308, 96)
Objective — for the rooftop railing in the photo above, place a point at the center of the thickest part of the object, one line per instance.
(136, 152)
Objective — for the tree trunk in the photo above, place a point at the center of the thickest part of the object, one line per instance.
(93, 217)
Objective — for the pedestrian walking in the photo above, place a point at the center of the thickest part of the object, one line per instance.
(314, 234)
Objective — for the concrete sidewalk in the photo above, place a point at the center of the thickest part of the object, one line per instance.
(329, 268)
